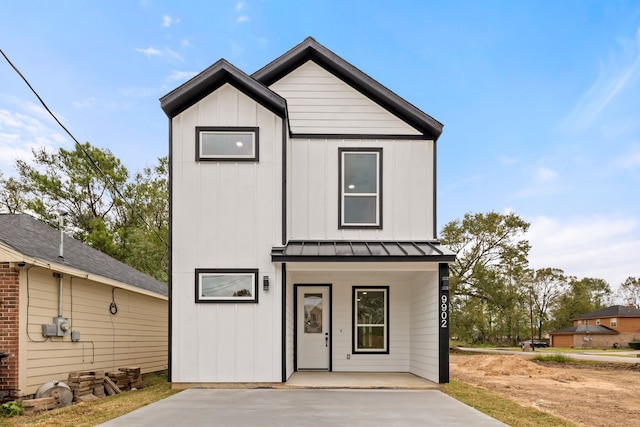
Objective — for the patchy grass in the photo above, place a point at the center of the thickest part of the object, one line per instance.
(502, 408)
(101, 410)
(555, 358)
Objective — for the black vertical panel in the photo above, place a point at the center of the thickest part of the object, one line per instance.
(170, 254)
(443, 322)
(283, 336)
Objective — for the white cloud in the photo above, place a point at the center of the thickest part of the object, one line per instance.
(168, 53)
(613, 78)
(20, 133)
(167, 21)
(545, 174)
(590, 246)
(181, 75)
(239, 5)
(241, 19)
(149, 52)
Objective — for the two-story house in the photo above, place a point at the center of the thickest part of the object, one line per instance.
(303, 225)
(613, 326)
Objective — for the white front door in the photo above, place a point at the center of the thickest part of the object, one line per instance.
(313, 339)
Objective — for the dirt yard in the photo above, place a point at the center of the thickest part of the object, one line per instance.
(587, 396)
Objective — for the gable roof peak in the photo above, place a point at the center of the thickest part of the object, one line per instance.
(213, 77)
(310, 50)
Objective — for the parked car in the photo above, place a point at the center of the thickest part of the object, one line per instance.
(536, 343)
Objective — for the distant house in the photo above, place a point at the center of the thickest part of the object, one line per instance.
(615, 325)
(303, 225)
(80, 311)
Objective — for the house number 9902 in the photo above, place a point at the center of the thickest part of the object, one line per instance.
(444, 313)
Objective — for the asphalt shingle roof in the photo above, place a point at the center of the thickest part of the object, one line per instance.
(34, 239)
(586, 329)
(613, 311)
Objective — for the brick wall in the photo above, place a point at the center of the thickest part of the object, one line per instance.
(9, 324)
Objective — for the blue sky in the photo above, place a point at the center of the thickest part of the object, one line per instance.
(540, 100)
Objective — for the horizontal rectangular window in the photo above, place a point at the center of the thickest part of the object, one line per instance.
(226, 285)
(233, 144)
(360, 202)
(371, 320)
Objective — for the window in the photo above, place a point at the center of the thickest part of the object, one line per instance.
(597, 321)
(614, 322)
(371, 320)
(360, 187)
(226, 285)
(233, 144)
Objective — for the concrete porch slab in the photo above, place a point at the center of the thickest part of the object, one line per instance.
(359, 380)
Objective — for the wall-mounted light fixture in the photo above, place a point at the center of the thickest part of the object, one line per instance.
(444, 283)
(265, 283)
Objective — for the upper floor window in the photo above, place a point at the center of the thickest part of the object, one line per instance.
(614, 322)
(360, 202)
(233, 144)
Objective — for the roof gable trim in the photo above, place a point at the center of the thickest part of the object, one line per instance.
(211, 79)
(311, 50)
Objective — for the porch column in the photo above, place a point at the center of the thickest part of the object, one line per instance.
(443, 322)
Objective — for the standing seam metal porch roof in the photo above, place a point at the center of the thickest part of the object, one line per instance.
(362, 251)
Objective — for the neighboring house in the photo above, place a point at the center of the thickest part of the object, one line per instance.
(609, 327)
(80, 311)
(303, 193)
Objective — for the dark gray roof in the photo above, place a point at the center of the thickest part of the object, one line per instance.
(36, 240)
(310, 49)
(613, 311)
(362, 251)
(211, 79)
(587, 329)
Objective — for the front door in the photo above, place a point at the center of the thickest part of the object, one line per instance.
(313, 323)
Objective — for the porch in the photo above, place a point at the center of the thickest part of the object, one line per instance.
(359, 380)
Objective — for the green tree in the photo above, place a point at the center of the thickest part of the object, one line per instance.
(582, 296)
(11, 195)
(145, 221)
(69, 181)
(487, 277)
(126, 218)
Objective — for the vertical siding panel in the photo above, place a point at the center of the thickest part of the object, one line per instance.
(424, 326)
(317, 173)
(226, 218)
(407, 190)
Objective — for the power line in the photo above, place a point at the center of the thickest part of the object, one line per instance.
(86, 153)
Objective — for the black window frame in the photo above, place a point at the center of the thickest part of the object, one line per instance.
(354, 320)
(225, 130)
(227, 271)
(341, 152)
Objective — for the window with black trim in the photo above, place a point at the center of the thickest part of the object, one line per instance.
(360, 202)
(227, 285)
(231, 144)
(371, 319)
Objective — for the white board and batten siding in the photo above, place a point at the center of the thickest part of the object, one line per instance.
(225, 215)
(413, 333)
(320, 103)
(407, 190)
(135, 337)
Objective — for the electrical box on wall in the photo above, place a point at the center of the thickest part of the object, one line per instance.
(63, 326)
(49, 330)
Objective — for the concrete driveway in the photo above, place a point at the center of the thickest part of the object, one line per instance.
(306, 407)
